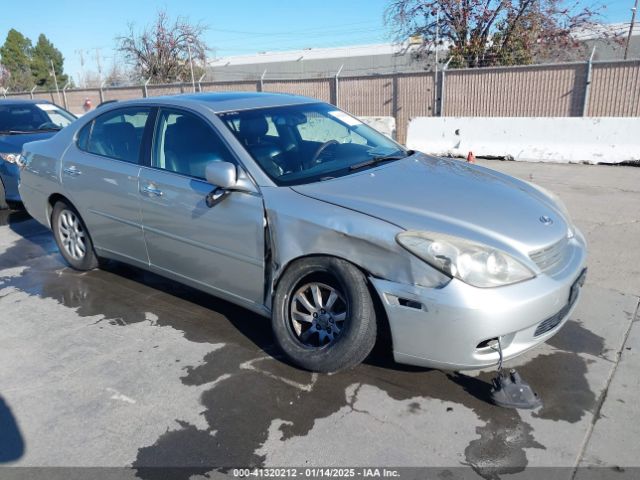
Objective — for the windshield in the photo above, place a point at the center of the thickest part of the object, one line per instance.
(33, 117)
(306, 143)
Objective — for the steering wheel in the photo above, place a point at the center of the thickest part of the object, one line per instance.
(321, 148)
(47, 125)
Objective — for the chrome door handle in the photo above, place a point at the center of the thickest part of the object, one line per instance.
(151, 190)
(72, 171)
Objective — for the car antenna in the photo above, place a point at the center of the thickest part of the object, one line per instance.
(509, 390)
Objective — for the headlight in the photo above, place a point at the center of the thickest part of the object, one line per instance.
(12, 158)
(476, 264)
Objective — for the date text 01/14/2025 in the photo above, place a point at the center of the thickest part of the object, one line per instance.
(318, 472)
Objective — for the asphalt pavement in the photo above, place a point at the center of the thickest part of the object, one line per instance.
(121, 368)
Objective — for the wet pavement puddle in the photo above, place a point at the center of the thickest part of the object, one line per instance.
(248, 386)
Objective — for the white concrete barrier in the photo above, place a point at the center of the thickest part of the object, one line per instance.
(563, 140)
(386, 125)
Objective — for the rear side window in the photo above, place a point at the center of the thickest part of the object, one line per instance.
(116, 134)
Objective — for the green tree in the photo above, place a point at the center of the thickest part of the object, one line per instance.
(15, 56)
(44, 53)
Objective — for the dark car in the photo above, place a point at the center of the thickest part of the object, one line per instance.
(23, 121)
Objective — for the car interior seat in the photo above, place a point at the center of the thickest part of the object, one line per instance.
(189, 147)
(252, 132)
(121, 141)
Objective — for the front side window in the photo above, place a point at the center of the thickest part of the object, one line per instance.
(33, 118)
(116, 134)
(305, 143)
(185, 144)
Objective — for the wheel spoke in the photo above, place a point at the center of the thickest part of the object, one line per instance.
(302, 317)
(300, 297)
(340, 317)
(333, 296)
(317, 295)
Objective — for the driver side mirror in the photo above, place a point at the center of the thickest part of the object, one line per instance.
(221, 174)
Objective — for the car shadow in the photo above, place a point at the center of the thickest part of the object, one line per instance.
(13, 217)
(11, 440)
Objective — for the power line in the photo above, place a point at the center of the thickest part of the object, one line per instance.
(333, 28)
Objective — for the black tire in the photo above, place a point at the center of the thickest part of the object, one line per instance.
(88, 260)
(357, 335)
(3, 198)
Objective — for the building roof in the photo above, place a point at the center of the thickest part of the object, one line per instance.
(605, 31)
(312, 54)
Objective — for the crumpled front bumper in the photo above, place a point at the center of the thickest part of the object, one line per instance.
(445, 327)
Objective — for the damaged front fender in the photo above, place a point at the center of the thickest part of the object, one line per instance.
(298, 226)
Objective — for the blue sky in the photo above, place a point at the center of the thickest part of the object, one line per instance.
(236, 27)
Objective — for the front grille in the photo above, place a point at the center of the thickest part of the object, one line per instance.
(548, 257)
(552, 322)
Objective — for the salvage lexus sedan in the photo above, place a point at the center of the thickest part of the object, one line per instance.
(296, 210)
(23, 121)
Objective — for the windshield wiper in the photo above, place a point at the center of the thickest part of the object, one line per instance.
(26, 132)
(380, 159)
(14, 132)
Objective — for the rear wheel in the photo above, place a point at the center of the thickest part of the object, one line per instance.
(323, 315)
(72, 237)
(3, 199)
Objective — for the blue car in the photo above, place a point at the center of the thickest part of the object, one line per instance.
(23, 121)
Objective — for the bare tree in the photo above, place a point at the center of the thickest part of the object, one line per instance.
(491, 32)
(164, 50)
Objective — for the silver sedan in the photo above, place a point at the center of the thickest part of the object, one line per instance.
(297, 210)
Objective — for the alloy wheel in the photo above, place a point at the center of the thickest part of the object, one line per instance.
(72, 234)
(318, 312)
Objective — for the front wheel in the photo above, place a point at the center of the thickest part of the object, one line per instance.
(323, 315)
(72, 237)
(3, 200)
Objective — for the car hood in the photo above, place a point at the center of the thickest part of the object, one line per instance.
(451, 197)
(14, 143)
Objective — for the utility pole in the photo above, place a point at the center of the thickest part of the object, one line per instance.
(55, 79)
(80, 53)
(99, 64)
(435, 90)
(193, 80)
(437, 36)
(633, 21)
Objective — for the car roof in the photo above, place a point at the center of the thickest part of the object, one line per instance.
(22, 101)
(220, 102)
